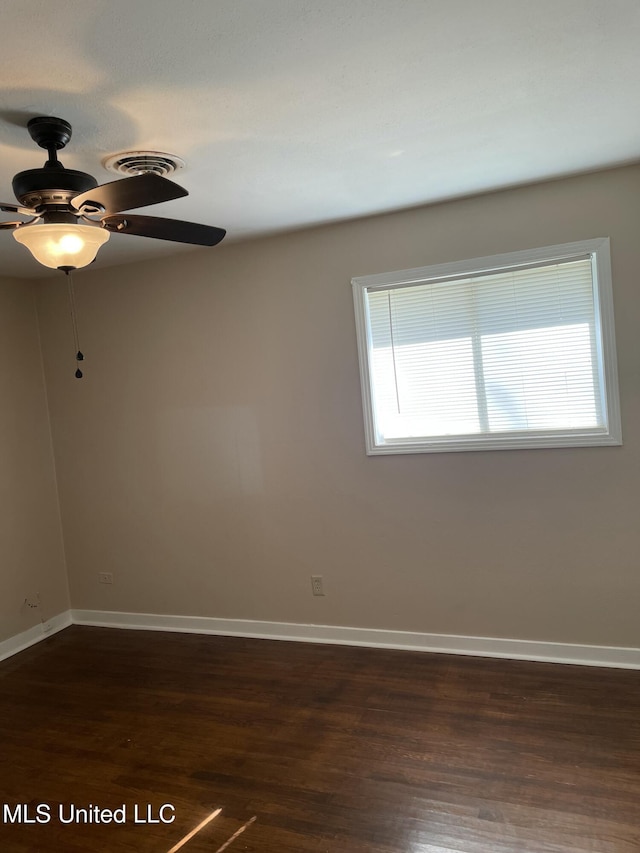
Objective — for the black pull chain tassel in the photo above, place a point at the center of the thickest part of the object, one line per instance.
(74, 320)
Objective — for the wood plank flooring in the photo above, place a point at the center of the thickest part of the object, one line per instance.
(330, 748)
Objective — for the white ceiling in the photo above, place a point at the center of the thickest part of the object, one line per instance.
(295, 112)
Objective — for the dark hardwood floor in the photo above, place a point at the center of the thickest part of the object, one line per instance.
(331, 748)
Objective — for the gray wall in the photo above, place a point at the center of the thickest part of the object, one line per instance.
(31, 554)
(213, 457)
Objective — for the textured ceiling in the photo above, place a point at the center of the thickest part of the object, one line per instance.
(295, 112)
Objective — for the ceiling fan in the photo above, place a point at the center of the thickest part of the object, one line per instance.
(72, 216)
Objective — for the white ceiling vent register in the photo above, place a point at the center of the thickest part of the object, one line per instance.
(130, 163)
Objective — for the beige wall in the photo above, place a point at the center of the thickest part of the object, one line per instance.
(213, 457)
(31, 555)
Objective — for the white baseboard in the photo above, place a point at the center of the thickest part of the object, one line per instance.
(22, 641)
(607, 656)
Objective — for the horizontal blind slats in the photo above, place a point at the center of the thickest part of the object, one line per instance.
(531, 332)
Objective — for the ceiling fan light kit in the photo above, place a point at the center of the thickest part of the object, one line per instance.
(60, 245)
(72, 216)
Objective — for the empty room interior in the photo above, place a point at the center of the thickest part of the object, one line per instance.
(320, 426)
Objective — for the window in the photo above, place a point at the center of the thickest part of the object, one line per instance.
(510, 351)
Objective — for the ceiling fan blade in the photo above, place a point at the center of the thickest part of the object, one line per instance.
(10, 207)
(164, 229)
(10, 226)
(128, 193)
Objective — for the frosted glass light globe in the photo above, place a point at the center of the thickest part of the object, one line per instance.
(61, 245)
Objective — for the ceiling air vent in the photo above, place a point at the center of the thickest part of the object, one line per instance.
(130, 163)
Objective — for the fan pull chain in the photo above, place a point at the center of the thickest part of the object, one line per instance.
(74, 320)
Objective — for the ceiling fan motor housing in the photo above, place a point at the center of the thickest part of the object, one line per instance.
(53, 185)
(36, 187)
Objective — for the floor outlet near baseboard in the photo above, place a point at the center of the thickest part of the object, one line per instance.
(316, 585)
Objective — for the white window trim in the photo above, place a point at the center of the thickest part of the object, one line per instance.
(599, 250)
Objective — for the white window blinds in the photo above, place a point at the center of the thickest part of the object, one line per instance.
(516, 351)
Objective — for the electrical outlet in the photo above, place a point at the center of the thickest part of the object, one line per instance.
(105, 577)
(316, 585)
